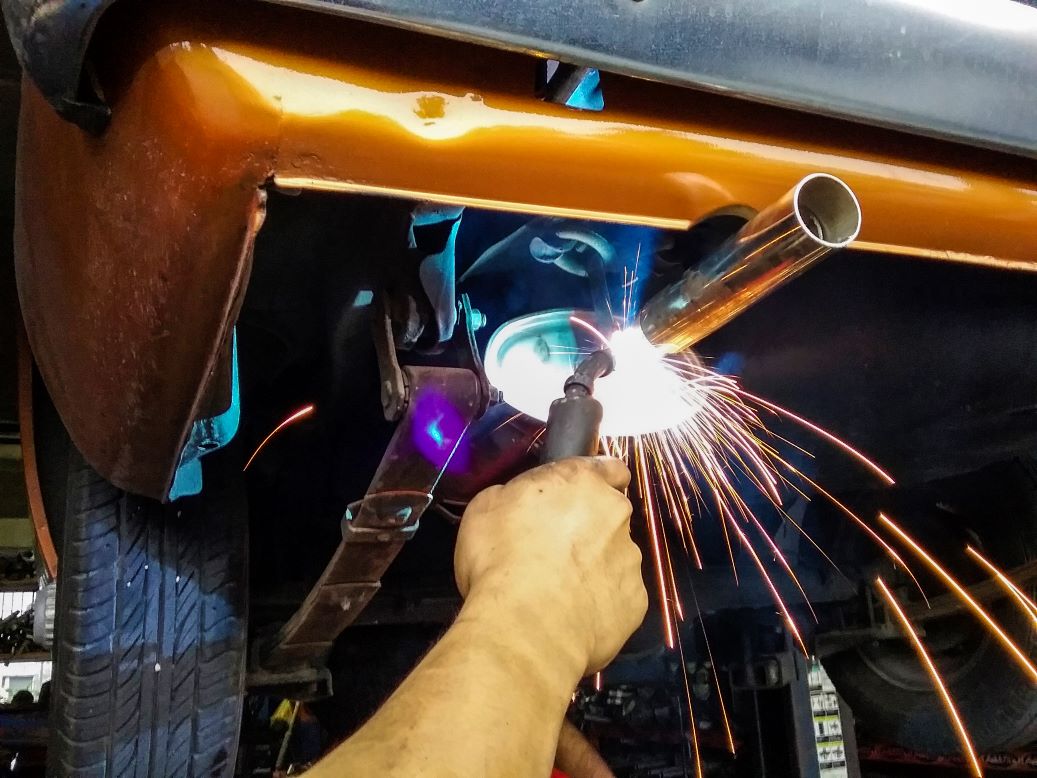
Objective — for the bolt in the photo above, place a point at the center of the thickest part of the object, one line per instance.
(478, 319)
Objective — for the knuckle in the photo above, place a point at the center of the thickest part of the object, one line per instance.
(620, 509)
(573, 472)
(623, 504)
(484, 499)
(636, 557)
(641, 602)
(569, 469)
(616, 469)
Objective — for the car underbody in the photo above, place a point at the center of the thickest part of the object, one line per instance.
(275, 231)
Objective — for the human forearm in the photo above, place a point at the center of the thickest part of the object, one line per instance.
(487, 700)
(552, 588)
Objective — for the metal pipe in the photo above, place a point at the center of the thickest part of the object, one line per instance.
(819, 214)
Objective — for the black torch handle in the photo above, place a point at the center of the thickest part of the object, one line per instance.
(573, 427)
(574, 420)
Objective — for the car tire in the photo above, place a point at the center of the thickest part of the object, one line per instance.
(897, 706)
(150, 644)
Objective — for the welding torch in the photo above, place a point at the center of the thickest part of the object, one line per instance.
(819, 214)
(573, 430)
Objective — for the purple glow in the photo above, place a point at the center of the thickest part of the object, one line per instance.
(437, 428)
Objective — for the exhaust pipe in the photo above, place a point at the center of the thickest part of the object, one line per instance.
(819, 214)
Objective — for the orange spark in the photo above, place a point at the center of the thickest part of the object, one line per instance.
(591, 329)
(302, 413)
(533, 442)
(965, 597)
(789, 621)
(673, 581)
(692, 727)
(890, 551)
(1018, 594)
(783, 561)
(859, 456)
(644, 484)
(716, 677)
(923, 656)
(508, 421)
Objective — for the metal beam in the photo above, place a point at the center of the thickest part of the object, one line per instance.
(964, 71)
(961, 70)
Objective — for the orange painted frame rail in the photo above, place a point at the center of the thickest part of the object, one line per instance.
(133, 248)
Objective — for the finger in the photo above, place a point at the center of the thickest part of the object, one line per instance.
(639, 606)
(462, 576)
(619, 512)
(632, 584)
(629, 554)
(576, 757)
(614, 471)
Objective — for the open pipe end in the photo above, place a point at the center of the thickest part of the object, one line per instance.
(827, 209)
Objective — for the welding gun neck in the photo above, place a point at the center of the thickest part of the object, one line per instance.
(597, 365)
(574, 421)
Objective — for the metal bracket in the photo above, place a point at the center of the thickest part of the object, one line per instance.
(380, 518)
(392, 380)
(573, 86)
(375, 528)
(468, 352)
(393, 388)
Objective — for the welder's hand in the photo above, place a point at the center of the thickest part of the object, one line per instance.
(549, 554)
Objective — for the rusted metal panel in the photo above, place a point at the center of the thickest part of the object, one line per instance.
(133, 247)
(26, 423)
(132, 252)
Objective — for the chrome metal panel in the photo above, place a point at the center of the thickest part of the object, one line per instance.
(958, 69)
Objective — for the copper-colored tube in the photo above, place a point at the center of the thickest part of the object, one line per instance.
(819, 214)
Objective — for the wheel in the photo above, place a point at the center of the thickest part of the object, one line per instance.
(150, 636)
(890, 693)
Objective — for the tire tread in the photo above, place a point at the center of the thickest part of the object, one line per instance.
(150, 641)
